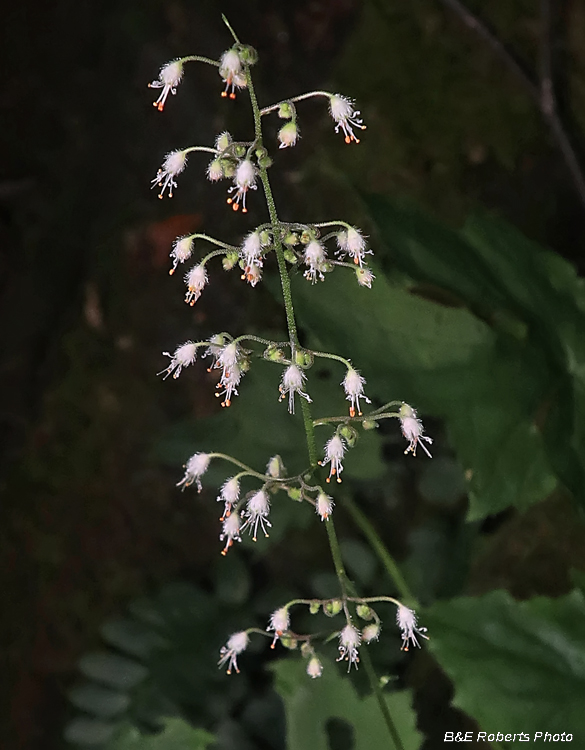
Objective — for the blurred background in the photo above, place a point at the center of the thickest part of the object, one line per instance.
(91, 441)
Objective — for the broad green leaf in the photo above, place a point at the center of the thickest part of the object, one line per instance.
(86, 732)
(112, 670)
(446, 363)
(311, 704)
(516, 666)
(99, 701)
(176, 735)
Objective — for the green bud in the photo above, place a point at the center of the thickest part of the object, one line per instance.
(286, 110)
(306, 649)
(307, 235)
(229, 261)
(229, 168)
(244, 364)
(290, 257)
(264, 237)
(248, 54)
(369, 424)
(349, 434)
(303, 358)
(314, 607)
(333, 608)
(273, 353)
(265, 162)
(288, 642)
(291, 239)
(288, 134)
(295, 494)
(223, 141)
(327, 266)
(364, 612)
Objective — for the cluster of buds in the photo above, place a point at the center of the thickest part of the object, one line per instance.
(350, 637)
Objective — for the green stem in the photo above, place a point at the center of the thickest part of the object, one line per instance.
(375, 683)
(379, 548)
(344, 581)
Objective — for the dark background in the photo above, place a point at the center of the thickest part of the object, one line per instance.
(90, 517)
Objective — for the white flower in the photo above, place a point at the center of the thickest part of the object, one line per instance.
(412, 429)
(184, 356)
(314, 667)
(215, 171)
(314, 258)
(334, 452)
(364, 277)
(292, 382)
(229, 381)
(406, 621)
(352, 243)
(229, 653)
(168, 79)
(371, 632)
(288, 135)
(349, 640)
(182, 250)
(251, 252)
(279, 622)
(324, 506)
(256, 512)
(245, 180)
(174, 164)
(345, 116)
(353, 385)
(195, 468)
(230, 69)
(230, 531)
(196, 279)
(229, 495)
(252, 274)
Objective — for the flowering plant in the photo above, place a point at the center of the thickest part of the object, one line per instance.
(293, 245)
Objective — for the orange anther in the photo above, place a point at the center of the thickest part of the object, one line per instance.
(224, 94)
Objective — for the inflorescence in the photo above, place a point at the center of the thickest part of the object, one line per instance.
(318, 249)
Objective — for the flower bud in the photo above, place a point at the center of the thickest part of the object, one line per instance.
(288, 642)
(291, 239)
(288, 134)
(265, 237)
(229, 168)
(371, 632)
(240, 150)
(303, 358)
(273, 354)
(276, 468)
(369, 424)
(229, 261)
(286, 110)
(265, 162)
(290, 257)
(307, 235)
(295, 494)
(364, 612)
(314, 607)
(248, 54)
(222, 141)
(349, 434)
(215, 171)
(314, 667)
(332, 608)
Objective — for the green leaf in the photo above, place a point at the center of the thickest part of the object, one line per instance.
(88, 732)
(516, 666)
(98, 700)
(446, 363)
(112, 670)
(311, 704)
(176, 735)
